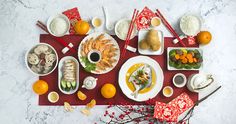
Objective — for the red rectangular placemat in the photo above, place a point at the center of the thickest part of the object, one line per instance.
(111, 77)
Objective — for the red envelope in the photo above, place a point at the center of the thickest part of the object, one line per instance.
(73, 15)
(165, 112)
(143, 20)
(182, 103)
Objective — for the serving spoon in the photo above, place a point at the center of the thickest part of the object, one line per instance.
(109, 27)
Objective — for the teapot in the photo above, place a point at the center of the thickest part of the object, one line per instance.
(89, 82)
(198, 82)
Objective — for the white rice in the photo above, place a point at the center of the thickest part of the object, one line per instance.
(190, 25)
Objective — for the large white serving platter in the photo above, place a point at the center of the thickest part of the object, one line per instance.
(159, 81)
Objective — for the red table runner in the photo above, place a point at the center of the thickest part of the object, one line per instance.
(111, 77)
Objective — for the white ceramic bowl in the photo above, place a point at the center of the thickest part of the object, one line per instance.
(171, 90)
(93, 22)
(182, 23)
(134, 32)
(30, 51)
(180, 85)
(50, 19)
(50, 100)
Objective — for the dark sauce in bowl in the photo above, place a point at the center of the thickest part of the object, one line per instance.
(179, 79)
(95, 57)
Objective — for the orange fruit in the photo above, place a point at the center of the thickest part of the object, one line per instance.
(91, 104)
(204, 37)
(40, 87)
(81, 95)
(108, 90)
(81, 27)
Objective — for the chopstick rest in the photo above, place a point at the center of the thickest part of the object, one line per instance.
(67, 48)
(130, 48)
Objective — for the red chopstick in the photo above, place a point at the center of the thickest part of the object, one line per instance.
(169, 27)
(131, 26)
(60, 40)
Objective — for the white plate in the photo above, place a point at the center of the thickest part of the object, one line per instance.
(142, 34)
(60, 65)
(187, 48)
(134, 32)
(159, 81)
(113, 41)
(31, 51)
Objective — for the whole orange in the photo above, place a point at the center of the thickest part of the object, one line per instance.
(108, 90)
(204, 37)
(40, 87)
(81, 27)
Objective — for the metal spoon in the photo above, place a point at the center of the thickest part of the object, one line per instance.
(108, 26)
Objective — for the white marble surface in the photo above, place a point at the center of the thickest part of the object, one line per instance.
(19, 105)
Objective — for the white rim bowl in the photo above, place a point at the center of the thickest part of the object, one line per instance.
(50, 100)
(50, 19)
(29, 51)
(172, 91)
(180, 85)
(118, 35)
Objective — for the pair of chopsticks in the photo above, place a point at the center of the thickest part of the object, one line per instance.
(168, 26)
(131, 26)
(60, 40)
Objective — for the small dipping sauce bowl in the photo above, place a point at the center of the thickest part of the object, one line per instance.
(96, 22)
(155, 21)
(53, 97)
(179, 80)
(94, 56)
(167, 91)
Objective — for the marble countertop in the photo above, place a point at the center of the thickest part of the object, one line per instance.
(18, 103)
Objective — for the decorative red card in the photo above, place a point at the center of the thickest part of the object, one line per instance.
(143, 20)
(182, 103)
(165, 112)
(73, 15)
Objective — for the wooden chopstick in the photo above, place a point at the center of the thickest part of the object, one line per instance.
(60, 40)
(169, 27)
(135, 14)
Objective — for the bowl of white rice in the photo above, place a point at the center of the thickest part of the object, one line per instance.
(122, 27)
(58, 25)
(190, 25)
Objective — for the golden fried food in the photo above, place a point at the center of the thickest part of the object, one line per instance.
(155, 47)
(105, 47)
(151, 41)
(144, 45)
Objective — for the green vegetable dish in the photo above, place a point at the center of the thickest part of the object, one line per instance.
(185, 58)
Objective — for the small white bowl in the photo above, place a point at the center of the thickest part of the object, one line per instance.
(93, 22)
(171, 90)
(134, 32)
(49, 98)
(94, 51)
(51, 18)
(152, 21)
(179, 85)
(30, 51)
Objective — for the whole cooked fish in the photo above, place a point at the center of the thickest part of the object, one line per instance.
(141, 79)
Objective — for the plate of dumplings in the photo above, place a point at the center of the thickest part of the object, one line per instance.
(42, 59)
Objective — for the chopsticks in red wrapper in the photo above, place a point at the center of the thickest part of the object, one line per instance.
(60, 40)
(168, 26)
(131, 26)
